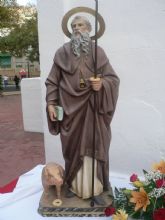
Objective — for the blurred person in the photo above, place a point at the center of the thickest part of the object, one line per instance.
(5, 81)
(16, 80)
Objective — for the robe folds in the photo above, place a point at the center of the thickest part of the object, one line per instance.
(76, 128)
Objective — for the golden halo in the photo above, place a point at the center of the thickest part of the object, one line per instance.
(82, 9)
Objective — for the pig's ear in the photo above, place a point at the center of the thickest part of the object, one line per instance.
(46, 172)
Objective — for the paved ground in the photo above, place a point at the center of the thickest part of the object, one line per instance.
(20, 151)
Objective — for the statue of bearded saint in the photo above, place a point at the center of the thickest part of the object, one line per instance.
(71, 84)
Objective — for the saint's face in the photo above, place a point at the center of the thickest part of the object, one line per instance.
(79, 25)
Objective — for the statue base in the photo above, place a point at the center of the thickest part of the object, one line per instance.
(72, 207)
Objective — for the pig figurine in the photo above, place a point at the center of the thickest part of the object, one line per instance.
(52, 175)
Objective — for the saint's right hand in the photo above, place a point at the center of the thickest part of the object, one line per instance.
(52, 113)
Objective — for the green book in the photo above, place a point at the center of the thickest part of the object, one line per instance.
(59, 112)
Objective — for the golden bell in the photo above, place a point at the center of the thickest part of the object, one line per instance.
(82, 83)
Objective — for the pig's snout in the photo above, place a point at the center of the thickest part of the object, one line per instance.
(59, 181)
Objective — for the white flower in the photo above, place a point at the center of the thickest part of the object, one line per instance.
(152, 175)
(157, 192)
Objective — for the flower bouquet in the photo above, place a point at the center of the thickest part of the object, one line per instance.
(145, 201)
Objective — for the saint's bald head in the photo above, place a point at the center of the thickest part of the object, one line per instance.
(81, 24)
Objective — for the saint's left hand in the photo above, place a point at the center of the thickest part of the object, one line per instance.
(96, 83)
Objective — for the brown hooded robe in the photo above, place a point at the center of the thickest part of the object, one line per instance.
(76, 129)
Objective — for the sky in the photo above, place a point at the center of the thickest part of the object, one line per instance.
(24, 2)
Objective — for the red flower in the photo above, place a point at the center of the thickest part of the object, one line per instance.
(159, 214)
(160, 183)
(109, 211)
(133, 178)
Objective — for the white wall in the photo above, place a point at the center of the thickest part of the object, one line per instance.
(134, 42)
(50, 38)
(32, 104)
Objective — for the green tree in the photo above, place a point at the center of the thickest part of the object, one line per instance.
(8, 2)
(22, 40)
(9, 14)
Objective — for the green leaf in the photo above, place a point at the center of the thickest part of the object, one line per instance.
(145, 172)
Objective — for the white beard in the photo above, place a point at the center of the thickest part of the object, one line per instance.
(80, 43)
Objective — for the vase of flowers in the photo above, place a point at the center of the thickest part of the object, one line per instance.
(146, 200)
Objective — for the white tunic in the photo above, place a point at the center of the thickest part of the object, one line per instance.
(82, 183)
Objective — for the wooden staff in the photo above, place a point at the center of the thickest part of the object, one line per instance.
(94, 119)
